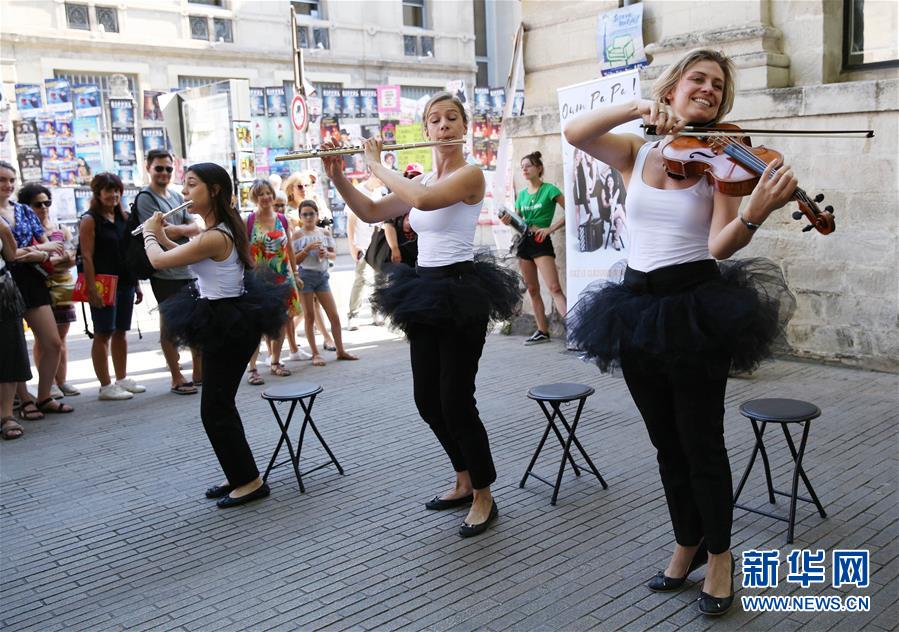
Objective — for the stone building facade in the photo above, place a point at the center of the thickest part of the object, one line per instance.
(790, 75)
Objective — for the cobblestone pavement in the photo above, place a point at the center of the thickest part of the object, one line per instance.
(104, 524)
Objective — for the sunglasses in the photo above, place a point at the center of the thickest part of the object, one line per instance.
(307, 214)
(45, 204)
(161, 169)
(280, 205)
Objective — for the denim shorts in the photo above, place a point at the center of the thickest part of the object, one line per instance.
(115, 317)
(314, 281)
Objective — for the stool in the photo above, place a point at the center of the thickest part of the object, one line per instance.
(783, 412)
(556, 395)
(296, 393)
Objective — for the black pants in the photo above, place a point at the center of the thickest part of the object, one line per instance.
(223, 368)
(683, 410)
(444, 366)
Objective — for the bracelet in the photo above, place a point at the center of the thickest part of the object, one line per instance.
(749, 225)
(149, 240)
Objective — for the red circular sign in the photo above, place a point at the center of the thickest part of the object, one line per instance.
(299, 113)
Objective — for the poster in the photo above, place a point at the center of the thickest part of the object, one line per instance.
(351, 108)
(64, 209)
(246, 166)
(87, 100)
(620, 39)
(152, 138)
(30, 163)
(257, 102)
(369, 102)
(124, 151)
(28, 100)
(595, 216)
(7, 147)
(259, 125)
(481, 100)
(330, 129)
(283, 168)
(152, 111)
(121, 115)
(59, 95)
(388, 101)
(275, 101)
(83, 197)
(388, 130)
(457, 89)
(280, 133)
(518, 103)
(86, 130)
(243, 136)
(331, 102)
(412, 133)
(497, 102)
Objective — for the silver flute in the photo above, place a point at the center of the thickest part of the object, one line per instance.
(140, 229)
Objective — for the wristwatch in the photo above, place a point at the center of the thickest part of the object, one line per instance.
(749, 225)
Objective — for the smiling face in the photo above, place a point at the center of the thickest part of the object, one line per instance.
(697, 95)
(265, 197)
(7, 183)
(40, 204)
(110, 198)
(444, 121)
(308, 216)
(161, 171)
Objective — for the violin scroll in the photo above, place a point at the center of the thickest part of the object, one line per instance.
(822, 221)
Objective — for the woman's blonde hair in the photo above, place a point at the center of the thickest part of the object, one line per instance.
(437, 98)
(289, 186)
(673, 73)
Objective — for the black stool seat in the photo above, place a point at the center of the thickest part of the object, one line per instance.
(295, 390)
(556, 395)
(561, 392)
(296, 393)
(780, 410)
(760, 413)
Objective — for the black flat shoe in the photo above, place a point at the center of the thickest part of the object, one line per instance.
(227, 501)
(663, 583)
(469, 530)
(716, 606)
(218, 491)
(439, 504)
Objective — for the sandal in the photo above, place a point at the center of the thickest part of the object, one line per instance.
(317, 360)
(255, 379)
(346, 355)
(280, 370)
(30, 412)
(185, 388)
(60, 408)
(10, 429)
(330, 347)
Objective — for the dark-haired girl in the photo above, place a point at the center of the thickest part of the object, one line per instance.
(225, 319)
(30, 278)
(536, 204)
(103, 237)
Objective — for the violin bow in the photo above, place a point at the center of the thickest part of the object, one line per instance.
(691, 130)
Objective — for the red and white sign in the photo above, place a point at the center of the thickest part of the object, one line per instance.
(299, 113)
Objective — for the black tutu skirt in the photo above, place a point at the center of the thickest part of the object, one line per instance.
(463, 293)
(193, 321)
(686, 315)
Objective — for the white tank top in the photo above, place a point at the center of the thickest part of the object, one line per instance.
(666, 226)
(445, 235)
(220, 279)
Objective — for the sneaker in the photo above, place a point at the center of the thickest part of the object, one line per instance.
(56, 392)
(112, 392)
(130, 385)
(536, 338)
(69, 390)
(298, 355)
(351, 324)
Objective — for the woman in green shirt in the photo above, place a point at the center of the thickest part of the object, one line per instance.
(536, 204)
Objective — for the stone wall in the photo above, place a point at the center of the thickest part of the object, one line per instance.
(846, 283)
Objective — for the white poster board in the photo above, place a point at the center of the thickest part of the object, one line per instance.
(595, 218)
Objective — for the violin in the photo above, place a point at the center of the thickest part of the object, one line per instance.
(725, 155)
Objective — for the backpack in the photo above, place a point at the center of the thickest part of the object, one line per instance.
(135, 255)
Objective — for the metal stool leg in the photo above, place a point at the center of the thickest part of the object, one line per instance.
(755, 451)
(557, 413)
(797, 458)
(294, 459)
(571, 433)
(308, 415)
(764, 452)
(536, 454)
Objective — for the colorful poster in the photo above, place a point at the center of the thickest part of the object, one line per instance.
(388, 101)
(30, 163)
(46, 129)
(68, 173)
(331, 102)
(65, 148)
(280, 132)
(246, 166)
(152, 111)
(86, 130)
(481, 100)
(330, 129)
(121, 115)
(50, 173)
(283, 169)
(497, 101)
(351, 106)
(90, 161)
(595, 216)
(260, 131)
(388, 130)
(129, 194)
(28, 100)
(63, 125)
(257, 102)
(412, 133)
(457, 88)
(87, 100)
(83, 197)
(275, 102)
(243, 136)
(620, 39)
(59, 95)
(152, 138)
(368, 98)
(123, 148)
